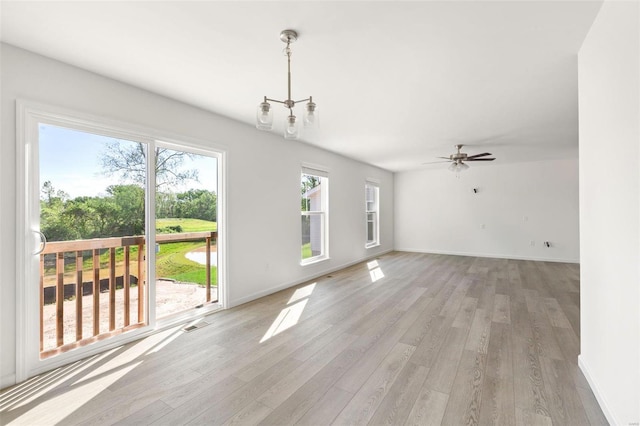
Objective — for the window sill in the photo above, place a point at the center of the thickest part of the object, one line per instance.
(313, 260)
(368, 246)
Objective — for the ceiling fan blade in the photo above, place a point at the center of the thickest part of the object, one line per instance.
(445, 158)
(479, 159)
(484, 154)
(434, 162)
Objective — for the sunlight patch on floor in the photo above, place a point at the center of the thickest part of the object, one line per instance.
(77, 383)
(374, 271)
(68, 400)
(287, 318)
(302, 293)
(170, 338)
(129, 353)
(34, 387)
(93, 365)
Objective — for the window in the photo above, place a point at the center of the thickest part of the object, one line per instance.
(371, 192)
(314, 187)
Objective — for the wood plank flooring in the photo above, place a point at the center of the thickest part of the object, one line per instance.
(408, 338)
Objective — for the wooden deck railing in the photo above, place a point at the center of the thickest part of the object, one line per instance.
(77, 248)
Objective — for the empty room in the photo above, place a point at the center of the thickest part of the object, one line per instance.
(320, 212)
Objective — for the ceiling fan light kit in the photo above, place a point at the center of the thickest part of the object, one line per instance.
(264, 118)
(458, 166)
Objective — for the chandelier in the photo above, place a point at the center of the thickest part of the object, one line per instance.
(264, 119)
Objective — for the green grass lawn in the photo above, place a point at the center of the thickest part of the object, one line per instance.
(172, 263)
(188, 225)
(306, 251)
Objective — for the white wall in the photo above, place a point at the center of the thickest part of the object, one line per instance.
(610, 210)
(516, 203)
(263, 183)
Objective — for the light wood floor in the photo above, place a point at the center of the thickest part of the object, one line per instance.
(406, 339)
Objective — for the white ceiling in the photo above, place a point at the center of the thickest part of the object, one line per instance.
(396, 83)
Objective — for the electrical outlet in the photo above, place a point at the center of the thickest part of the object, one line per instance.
(482, 226)
(532, 243)
(525, 218)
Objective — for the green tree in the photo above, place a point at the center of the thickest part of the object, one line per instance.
(307, 183)
(53, 223)
(197, 204)
(165, 204)
(129, 216)
(103, 218)
(50, 194)
(78, 214)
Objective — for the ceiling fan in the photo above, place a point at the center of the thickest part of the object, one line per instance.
(459, 158)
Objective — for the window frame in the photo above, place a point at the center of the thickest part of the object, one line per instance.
(323, 213)
(369, 184)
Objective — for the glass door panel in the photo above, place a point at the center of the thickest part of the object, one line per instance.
(92, 213)
(186, 231)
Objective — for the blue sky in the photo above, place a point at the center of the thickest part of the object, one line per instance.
(70, 159)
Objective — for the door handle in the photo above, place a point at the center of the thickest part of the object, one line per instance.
(43, 243)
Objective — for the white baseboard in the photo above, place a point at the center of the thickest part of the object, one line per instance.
(8, 380)
(301, 280)
(596, 391)
(489, 255)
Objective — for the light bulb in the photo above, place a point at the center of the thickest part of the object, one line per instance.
(310, 114)
(291, 128)
(310, 118)
(264, 116)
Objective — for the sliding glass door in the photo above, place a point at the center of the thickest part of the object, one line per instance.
(120, 234)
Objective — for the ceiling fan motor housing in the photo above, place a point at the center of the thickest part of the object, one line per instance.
(458, 156)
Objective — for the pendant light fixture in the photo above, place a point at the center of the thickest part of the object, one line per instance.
(264, 118)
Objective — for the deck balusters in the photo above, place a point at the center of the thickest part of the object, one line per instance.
(96, 247)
